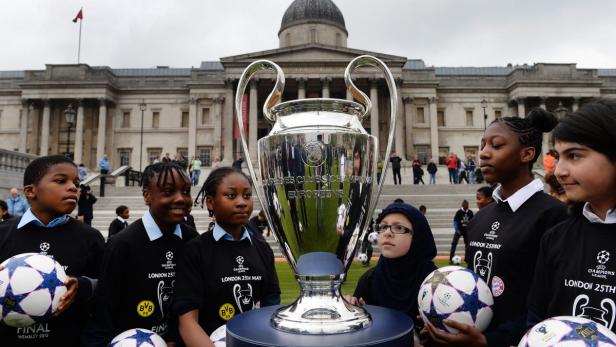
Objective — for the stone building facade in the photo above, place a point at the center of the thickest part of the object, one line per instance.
(135, 114)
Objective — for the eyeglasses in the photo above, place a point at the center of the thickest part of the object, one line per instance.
(395, 229)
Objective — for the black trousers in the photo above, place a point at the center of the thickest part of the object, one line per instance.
(397, 174)
(454, 243)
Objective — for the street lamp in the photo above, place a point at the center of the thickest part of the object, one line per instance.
(484, 105)
(560, 111)
(142, 107)
(69, 116)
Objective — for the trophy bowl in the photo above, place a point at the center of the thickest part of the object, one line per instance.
(316, 182)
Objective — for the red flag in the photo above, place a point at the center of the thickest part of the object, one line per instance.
(78, 16)
(236, 133)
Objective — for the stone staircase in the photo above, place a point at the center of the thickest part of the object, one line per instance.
(442, 201)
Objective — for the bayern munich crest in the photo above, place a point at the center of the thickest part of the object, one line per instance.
(314, 154)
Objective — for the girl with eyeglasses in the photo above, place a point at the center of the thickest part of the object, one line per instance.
(407, 250)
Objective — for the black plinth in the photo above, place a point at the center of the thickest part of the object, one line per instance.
(389, 328)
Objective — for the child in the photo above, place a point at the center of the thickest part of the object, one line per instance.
(423, 209)
(407, 250)
(85, 206)
(483, 197)
(138, 273)
(120, 222)
(503, 238)
(4, 211)
(460, 223)
(575, 268)
(225, 271)
(50, 184)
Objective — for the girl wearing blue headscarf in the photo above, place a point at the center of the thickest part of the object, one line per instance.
(407, 252)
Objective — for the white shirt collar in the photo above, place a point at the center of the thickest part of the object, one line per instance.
(518, 198)
(220, 233)
(610, 217)
(152, 229)
(29, 217)
(121, 219)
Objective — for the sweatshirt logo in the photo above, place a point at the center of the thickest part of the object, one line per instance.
(44, 247)
(491, 235)
(605, 314)
(603, 257)
(169, 263)
(601, 270)
(240, 265)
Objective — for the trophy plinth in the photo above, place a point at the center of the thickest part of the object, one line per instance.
(316, 182)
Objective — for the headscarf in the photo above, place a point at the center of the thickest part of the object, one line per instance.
(396, 282)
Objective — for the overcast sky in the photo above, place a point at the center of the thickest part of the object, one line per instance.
(182, 33)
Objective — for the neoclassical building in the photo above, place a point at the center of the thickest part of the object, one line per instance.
(133, 115)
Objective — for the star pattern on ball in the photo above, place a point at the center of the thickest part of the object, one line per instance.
(142, 336)
(585, 331)
(10, 302)
(15, 263)
(472, 303)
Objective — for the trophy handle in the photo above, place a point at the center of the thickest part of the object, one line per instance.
(367, 60)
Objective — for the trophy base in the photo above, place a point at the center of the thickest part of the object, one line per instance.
(389, 328)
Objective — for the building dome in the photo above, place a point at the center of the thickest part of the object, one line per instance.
(313, 11)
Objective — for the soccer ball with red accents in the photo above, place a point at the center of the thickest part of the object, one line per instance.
(31, 286)
(457, 294)
(138, 338)
(566, 331)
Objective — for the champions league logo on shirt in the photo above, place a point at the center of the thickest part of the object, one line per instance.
(169, 264)
(491, 235)
(44, 247)
(600, 270)
(240, 265)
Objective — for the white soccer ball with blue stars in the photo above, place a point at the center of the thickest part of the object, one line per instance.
(219, 336)
(138, 338)
(31, 286)
(458, 294)
(565, 331)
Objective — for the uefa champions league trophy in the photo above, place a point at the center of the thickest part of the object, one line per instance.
(316, 183)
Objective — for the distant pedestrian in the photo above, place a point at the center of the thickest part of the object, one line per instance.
(82, 171)
(4, 211)
(260, 223)
(432, 169)
(395, 167)
(423, 209)
(417, 171)
(85, 205)
(237, 164)
(104, 165)
(549, 161)
(470, 167)
(166, 158)
(379, 170)
(195, 171)
(18, 204)
(452, 167)
(462, 172)
(460, 223)
(120, 222)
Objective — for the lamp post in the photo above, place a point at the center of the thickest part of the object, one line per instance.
(69, 116)
(560, 111)
(142, 107)
(484, 105)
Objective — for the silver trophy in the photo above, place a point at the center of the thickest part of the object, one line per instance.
(316, 182)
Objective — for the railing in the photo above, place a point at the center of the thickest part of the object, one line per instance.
(15, 161)
(132, 177)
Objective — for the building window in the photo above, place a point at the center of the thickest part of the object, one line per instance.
(183, 152)
(126, 119)
(313, 35)
(153, 154)
(443, 153)
(498, 114)
(184, 122)
(471, 152)
(469, 118)
(124, 155)
(421, 118)
(440, 118)
(205, 116)
(205, 155)
(423, 153)
(155, 119)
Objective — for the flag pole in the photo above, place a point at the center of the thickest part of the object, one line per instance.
(79, 45)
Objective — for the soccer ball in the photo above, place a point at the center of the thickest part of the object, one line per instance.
(31, 286)
(219, 336)
(565, 331)
(138, 338)
(458, 294)
(456, 260)
(363, 257)
(373, 237)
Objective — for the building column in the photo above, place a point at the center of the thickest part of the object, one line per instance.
(408, 115)
(217, 127)
(79, 133)
(301, 88)
(521, 110)
(325, 87)
(434, 144)
(102, 127)
(23, 125)
(227, 124)
(44, 150)
(252, 119)
(192, 127)
(399, 131)
(374, 114)
(576, 104)
(545, 143)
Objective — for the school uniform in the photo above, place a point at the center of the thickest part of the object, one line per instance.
(460, 220)
(137, 282)
(79, 249)
(576, 270)
(117, 225)
(223, 277)
(502, 246)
